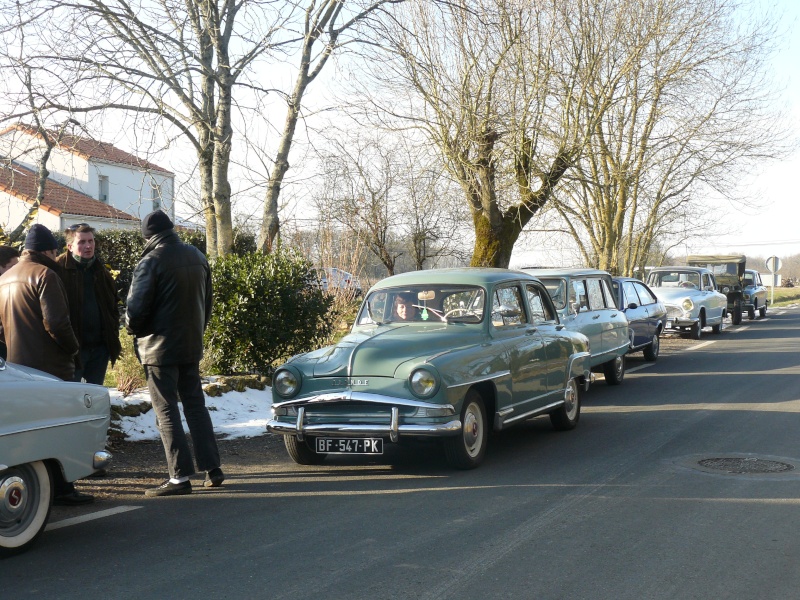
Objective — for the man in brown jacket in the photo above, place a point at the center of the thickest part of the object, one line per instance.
(93, 304)
(34, 323)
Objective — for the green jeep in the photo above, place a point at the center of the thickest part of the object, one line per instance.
(728, 270)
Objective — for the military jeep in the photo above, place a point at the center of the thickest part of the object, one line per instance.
(729, 271)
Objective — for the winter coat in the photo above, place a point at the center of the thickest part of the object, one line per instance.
(105, 291)
(169, 302)
(34, 316)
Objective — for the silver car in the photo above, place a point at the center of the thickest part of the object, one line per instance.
(46, 426)
(690, 297)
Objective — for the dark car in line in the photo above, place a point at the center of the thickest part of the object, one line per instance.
(645, 312)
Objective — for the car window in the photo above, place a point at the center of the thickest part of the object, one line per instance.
(708, 282)
(684, 279)
(540, 308)
(629, 294)
(645, 295)
(595, 292)
(557, 288)
(611, 300)
(508, 299)
(579, 295)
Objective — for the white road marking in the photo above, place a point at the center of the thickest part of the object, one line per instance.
(640, 367)
(90, 517)
(704, 344)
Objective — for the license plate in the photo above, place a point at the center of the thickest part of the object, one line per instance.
(349, 445)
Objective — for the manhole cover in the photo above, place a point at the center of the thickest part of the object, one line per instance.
(745, 465)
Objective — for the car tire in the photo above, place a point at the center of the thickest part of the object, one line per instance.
(751, 313)
(566, 416)
(467, 449)
(762, 311)
(696, 332)
(300, 452)
(736, 315)
(651, 350)
(720, 326)
(614, 370)
(26, 494)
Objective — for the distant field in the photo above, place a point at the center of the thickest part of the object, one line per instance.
(784, 295)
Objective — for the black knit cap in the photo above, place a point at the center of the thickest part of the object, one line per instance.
(40, 239)
(156, 222)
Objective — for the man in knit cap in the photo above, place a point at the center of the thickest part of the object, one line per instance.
(35, 325)
(168, 308)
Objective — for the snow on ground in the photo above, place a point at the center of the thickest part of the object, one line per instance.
(234, 414)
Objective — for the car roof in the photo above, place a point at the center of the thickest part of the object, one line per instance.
(464, 275)
(681, 268)
(571, 272)
(716, 259)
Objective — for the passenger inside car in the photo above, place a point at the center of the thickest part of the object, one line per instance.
(404, 309)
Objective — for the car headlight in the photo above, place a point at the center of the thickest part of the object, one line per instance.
(286, 383)
(423, 383)
(725, 289)
(687, 305)
(747, 296)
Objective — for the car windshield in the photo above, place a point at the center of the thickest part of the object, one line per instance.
(675, 278)
(424, 304)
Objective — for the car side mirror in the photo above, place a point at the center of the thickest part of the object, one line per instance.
(575, 307)
(507, 312)
(633, 305)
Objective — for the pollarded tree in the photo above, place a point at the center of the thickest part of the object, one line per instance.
(496, 87)
(687, 112)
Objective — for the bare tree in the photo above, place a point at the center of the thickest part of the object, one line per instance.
(496, 86)
(325, 25)
(687, 111)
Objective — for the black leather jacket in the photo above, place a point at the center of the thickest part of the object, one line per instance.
(169, 302)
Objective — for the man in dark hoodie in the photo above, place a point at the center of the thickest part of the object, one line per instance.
(168, 308)
(35, 325)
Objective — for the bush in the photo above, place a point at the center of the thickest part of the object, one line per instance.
(127, 375)
(266, 309)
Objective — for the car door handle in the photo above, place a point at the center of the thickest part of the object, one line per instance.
(530, 331)
(596, 317)
(614, 315)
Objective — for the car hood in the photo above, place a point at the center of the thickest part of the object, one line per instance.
(379, 351)
(14, 372)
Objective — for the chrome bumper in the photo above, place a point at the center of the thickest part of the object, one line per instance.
(101, 460)
(392, 429)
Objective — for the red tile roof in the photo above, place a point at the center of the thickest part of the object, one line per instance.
(93, 149)
(22, 183)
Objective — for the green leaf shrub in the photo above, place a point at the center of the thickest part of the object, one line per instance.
(266, 309)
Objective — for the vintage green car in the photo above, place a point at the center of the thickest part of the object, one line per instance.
(729, 272)
(448, 353)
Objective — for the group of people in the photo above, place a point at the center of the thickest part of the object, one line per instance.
(60, 314)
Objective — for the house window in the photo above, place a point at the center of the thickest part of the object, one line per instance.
(103, 195)
(155, 195)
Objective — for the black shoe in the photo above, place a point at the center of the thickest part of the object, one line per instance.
(73, 499)
(170, 489)
(214, 478)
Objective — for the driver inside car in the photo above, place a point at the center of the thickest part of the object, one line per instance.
(404, 309)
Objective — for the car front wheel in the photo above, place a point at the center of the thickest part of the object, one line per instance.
(736, 315)
(614, 370)
(751, 313)
(651, 350)
(566, 416)
(300, 452)
(467, 449)
(762, 311)
(26, 493)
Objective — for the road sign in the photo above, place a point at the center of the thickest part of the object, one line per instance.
(774, 264)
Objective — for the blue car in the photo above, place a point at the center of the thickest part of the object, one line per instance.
(646, 315)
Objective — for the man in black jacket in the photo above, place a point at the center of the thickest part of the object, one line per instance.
(93, 304)
(169, 305)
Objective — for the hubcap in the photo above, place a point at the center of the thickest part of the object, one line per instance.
(570, 395)
(13, 498)
(618, 366)
(472, 430)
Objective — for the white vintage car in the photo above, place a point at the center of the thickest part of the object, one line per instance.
(47, 426)
(690, 297)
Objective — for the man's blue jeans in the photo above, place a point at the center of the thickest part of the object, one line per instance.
(94, 363)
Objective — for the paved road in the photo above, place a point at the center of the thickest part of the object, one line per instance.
(636, 503)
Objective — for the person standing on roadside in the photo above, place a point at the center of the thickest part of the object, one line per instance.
(93, 304)
(35, 325)
(8, 258)
(168, 309)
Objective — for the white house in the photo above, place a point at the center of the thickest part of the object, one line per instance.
(90, 182)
